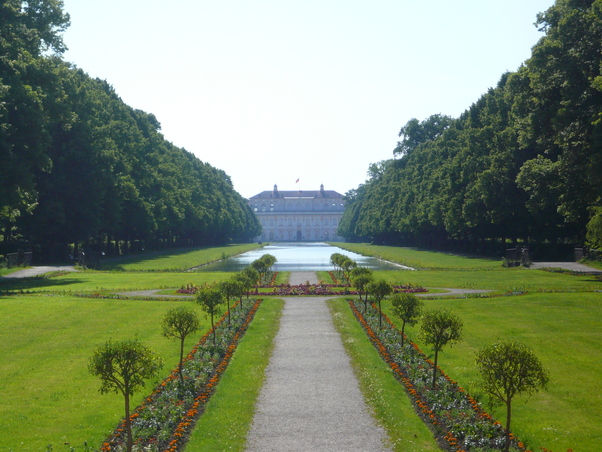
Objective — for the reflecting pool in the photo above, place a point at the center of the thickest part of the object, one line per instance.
(299, 257)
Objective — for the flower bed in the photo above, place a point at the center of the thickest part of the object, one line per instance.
(457, 419)
(166, 417)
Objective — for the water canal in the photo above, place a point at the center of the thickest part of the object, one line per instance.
(299, 257)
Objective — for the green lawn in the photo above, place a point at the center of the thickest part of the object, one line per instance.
(48, 396)
(565, 331)
(94, 281)
(178, 259)
(422, 260)
(505, 280)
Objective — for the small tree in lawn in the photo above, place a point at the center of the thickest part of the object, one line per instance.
(250, 277)
(229, 289)
(347, 264)
(361, 277)
(178, 323)
(440, 327)
(507, 369)
(379, 290)
(210, 299)
(123, 367)
(407, 307)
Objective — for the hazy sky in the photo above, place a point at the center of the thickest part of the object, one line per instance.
(272, 91)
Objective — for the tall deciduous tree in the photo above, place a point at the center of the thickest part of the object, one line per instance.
(507, 369)
(122, 368)
(439, 328)
(179, 323)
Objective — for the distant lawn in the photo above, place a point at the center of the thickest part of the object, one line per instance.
(516, 279)
(48, 396)
(565, 331)
(178, 259)
(422, 260)
(93, 281)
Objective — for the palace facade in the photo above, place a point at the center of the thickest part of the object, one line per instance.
(298, 215)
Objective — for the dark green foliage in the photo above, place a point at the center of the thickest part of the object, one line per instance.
(408, 308)
(522, 163)
(81, 168)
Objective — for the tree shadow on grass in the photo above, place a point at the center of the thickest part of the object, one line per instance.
(35, 282)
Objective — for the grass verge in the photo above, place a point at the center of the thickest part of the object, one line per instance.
(564, 331)
(422, 260)
(383, 393)
(229, 412)
(177, 259)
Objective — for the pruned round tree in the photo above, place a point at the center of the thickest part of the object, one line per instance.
(210, 300)
(178, 323)
(122, 368)
(439, 328)
(507, 369)
(379, 289)
(361, 277)
(408, 308)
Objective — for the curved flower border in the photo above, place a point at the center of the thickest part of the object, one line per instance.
(180, 407)
(454, 415)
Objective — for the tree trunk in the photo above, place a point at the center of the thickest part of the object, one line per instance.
(403, 326)
(181, 359)
(128, 427)
(435, 369)
(508, 413)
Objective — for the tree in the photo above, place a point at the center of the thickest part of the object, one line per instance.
(440, 327)
(379, 289)
(210, 299)
(178, 323)
(230, 289)
(407, 307)
(347, 264)
(361, 277)
(250, 277)
(123, 367)
(509, 368)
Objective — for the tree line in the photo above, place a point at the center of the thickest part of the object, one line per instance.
(80, 168)
(522, 164)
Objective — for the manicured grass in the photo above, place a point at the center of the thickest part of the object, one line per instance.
(48, 396)
(565, 332)
(383, 393)
(93, 281)
(423, 260)
(504, 281)
(229, 413)
(178, 259)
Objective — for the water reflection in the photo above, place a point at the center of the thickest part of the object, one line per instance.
(298, 257)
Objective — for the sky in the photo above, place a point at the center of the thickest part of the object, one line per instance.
(275, 91)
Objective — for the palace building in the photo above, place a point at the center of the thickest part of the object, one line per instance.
(298, 215)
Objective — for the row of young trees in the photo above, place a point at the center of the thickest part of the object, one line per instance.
(124, 366)
(80, 167)
(524, 162)
(506, 368)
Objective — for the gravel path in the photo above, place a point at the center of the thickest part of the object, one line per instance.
(311, 400)
(297, 278)
(572, 266)
(37, 271)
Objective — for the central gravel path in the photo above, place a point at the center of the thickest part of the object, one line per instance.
(311, 400)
